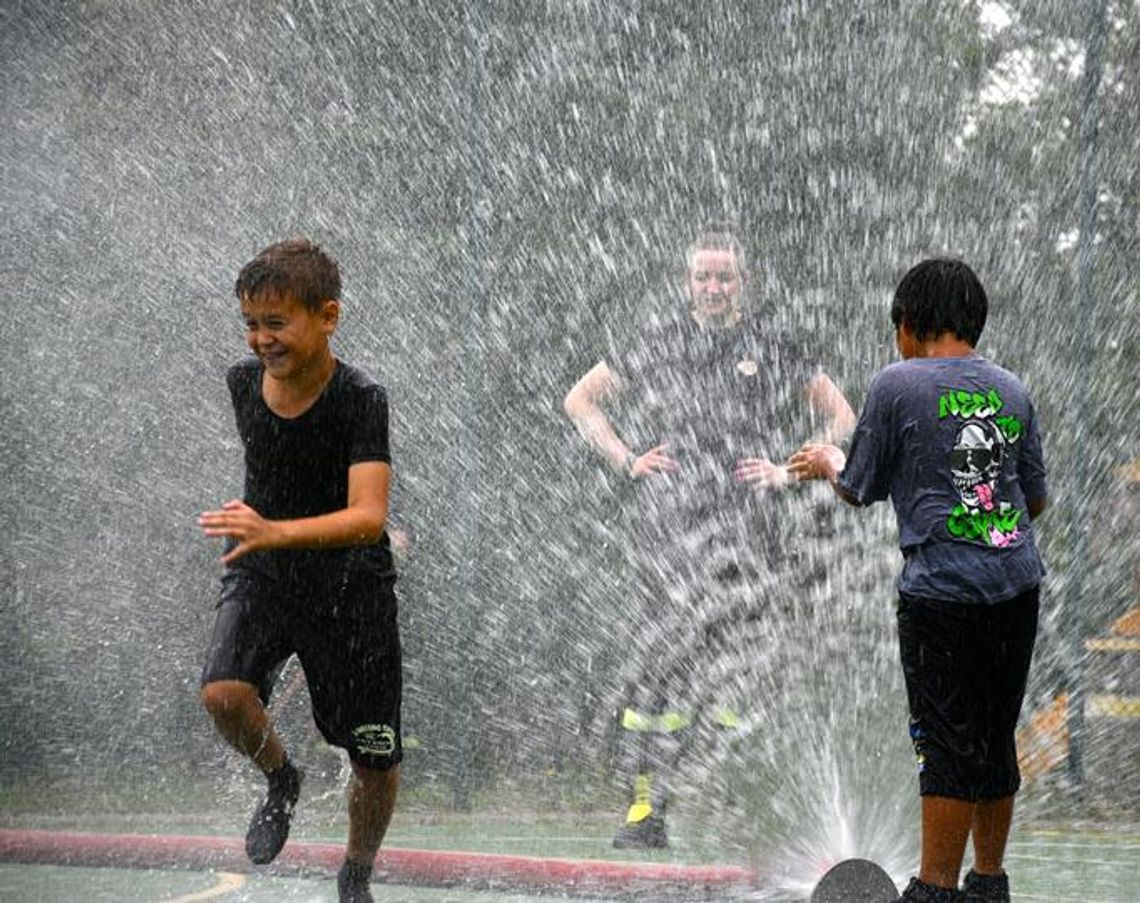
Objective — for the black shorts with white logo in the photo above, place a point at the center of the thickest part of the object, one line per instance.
(965, 667)
(346, 637)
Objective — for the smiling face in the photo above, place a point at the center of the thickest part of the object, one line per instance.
(715, 286)
(290, 339)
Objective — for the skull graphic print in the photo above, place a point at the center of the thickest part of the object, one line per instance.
(975, 463)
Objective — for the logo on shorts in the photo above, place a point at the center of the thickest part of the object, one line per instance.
(917, 736)
(374, 739)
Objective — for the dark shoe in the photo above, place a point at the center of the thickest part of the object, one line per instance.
(352, 883)
(986, 888)
(921, 892)
(269, 827)
(647, 834)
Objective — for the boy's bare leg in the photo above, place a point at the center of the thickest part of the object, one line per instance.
(241, 718)
(946, 826)
(992, 820)
(371, 800)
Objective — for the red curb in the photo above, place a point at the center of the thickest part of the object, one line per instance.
(400, 866)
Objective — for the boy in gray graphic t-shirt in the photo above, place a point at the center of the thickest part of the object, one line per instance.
(952, 439)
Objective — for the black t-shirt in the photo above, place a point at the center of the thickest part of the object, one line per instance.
(722, 394)
(716, 396)
(298, 467)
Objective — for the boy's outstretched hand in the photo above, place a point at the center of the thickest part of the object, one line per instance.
(237, 520)
(817, 462)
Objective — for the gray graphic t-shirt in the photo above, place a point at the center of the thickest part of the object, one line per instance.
(954, 443)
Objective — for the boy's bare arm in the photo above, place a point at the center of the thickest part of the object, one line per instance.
(816, 461)
(828, 402)
(1036, 507)
(361, 522)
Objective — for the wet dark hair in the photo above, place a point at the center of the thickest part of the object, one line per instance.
(941, 295)
(295, 268)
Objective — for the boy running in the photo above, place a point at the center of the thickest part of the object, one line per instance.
(308, 565)
(953, 440)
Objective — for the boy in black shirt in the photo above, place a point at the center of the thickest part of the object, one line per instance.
(308, 565)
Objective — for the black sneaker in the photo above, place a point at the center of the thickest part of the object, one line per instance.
(352, 883)
(986, 888)
(647, 834)
(921, 892)
(269, 827)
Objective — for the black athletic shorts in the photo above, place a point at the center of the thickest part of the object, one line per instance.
(346, 638)
(965, 667)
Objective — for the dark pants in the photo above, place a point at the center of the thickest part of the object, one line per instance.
(703, 633)
(966, 667)
(346, 638)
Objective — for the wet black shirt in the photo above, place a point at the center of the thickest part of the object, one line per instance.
(298, 467)
(716, 396)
